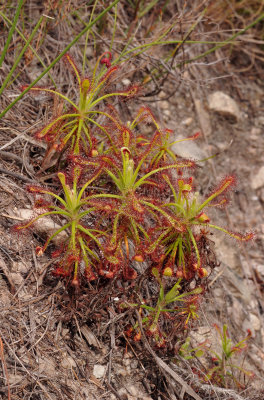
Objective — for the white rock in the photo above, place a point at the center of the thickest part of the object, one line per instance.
(187, 122)
(255, 322)
(224, 104)
(203, 117)
(257, 180)
(126, 82)
(99, 371)
(43, 225)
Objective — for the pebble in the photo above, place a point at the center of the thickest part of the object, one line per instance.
(99, 371)
(257, 180)
(167, 112)
(187, 122)
(223, 104)
(43, 225)
(126, 82)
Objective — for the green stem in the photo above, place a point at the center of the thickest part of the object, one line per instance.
(86, 185)
(176, 205)
(73, 234)
(106, 96)
(87, 232)
(68, 135)
(60, 95)
(167, 216)
(183, 165)
(195, 247)
(105, 132)
(98, 196)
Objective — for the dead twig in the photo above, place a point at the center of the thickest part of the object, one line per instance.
(7, 275)
(16, 175)
(4, 368)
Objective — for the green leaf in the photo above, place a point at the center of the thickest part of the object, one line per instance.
(172, 295)
(199, 353)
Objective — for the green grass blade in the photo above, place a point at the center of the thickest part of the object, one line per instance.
(10, 34)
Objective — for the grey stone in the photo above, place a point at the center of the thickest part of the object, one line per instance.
(223, 104)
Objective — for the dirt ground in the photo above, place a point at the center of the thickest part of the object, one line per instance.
(56, 345)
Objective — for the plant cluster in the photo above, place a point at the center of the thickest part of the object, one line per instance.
(224, 369)
(126, 198)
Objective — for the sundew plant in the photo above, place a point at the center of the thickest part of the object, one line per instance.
(127, 203)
